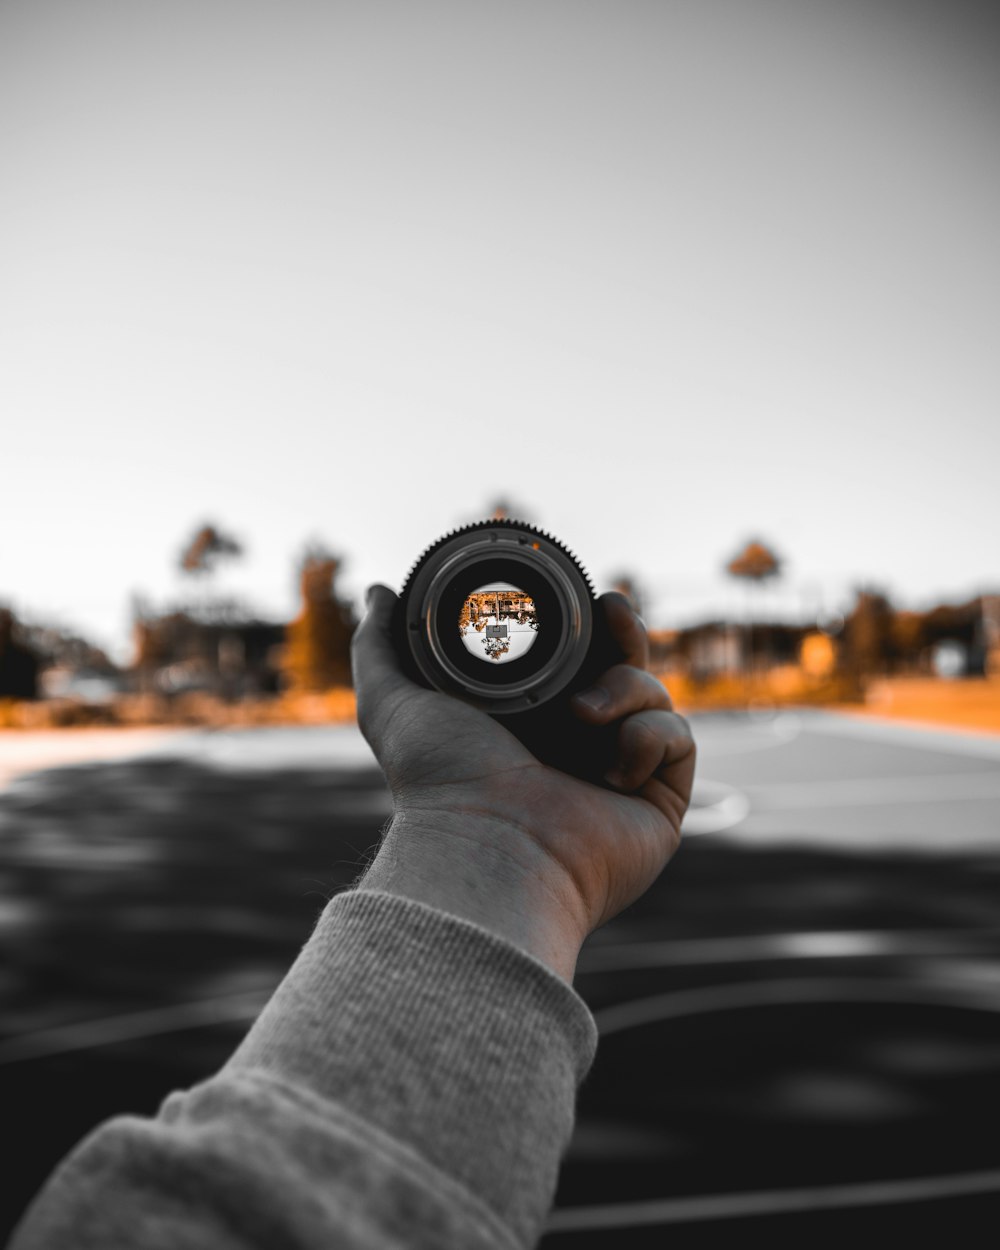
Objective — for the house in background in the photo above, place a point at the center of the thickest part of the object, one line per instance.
(233, 658)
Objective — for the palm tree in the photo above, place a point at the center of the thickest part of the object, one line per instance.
(755, 564)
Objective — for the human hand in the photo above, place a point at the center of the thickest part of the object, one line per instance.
(484, 830)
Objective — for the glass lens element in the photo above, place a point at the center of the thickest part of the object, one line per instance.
(498, 623)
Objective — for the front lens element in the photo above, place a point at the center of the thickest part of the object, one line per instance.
(498, 623)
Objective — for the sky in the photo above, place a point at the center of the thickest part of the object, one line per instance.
(666, 275)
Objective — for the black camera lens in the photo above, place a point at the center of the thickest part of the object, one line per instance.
(499, 614)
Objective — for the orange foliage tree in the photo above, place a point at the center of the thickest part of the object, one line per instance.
(206, 547)
(755, 564)
(318, 642)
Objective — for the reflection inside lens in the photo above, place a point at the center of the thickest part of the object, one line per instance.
(498, 622)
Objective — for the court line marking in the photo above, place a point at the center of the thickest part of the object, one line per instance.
(772, 1202)
(64, 1038)
(742, 996)
(246, 1006)
(728, 809)
(706, 1208)
(803, 944)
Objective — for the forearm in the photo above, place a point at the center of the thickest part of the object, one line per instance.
(441, 1035)
(412, 1072)
(478, 868)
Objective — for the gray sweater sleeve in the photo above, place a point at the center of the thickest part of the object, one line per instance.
(410, 1084)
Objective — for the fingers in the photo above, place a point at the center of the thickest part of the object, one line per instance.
(655, 751)
(655, 746)
(627, 629)
(378, 676)
(619, 692)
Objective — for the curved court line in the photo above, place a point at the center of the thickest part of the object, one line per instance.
(804, 944)
(235, 1008)
(728, 809)
(772, 1202)
(740, 996)
(64, 1038)
(702, 1208)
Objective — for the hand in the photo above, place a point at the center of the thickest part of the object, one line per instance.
(482, 829)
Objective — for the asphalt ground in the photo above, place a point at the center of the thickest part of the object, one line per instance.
(799, 1022)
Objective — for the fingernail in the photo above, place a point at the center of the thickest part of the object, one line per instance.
(368, 596)
(614, 777)
(596, 698)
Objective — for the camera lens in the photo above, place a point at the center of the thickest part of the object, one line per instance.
(499, 614)
(498, 623)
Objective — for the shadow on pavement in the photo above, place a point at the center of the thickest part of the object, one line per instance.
(771, 1019)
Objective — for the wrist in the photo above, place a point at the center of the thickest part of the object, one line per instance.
(489, 872)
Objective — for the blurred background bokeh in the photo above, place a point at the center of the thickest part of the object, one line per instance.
(707, 290)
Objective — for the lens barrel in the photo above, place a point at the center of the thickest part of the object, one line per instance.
(529, 691)
(499, 553)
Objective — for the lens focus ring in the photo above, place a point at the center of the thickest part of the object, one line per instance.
(521, 568)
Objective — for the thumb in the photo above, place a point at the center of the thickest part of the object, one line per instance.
(379, 680)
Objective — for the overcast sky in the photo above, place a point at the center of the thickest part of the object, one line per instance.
(666, 274)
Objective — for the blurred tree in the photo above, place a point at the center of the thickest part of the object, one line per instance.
(503, 508)
(206, 548)
(199, 560)
(626, 585)
(869, 642)
(318, 642)
(18, 663)
(908, 636)
(755, 564)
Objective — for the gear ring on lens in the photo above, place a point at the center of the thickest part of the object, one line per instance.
(541, 571)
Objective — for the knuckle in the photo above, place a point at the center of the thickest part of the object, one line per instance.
(684, 725)
(645, 732)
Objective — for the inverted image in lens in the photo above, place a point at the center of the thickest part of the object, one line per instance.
(498, 623)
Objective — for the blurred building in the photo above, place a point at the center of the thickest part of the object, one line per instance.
(497, 603)
(949, 640)
(73, 668)
(718, 648)
(178, 652)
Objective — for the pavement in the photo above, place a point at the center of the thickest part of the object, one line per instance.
(24, 751)
(834, 780)
(788, 776)
(800, 1021)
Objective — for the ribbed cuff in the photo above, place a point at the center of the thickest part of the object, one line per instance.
(440, 1034)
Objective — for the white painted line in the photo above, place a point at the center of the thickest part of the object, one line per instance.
(812, 944)
(246, 1006)
(64, 1039)
(772, 1202)
(742, 996)
(714, 807)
